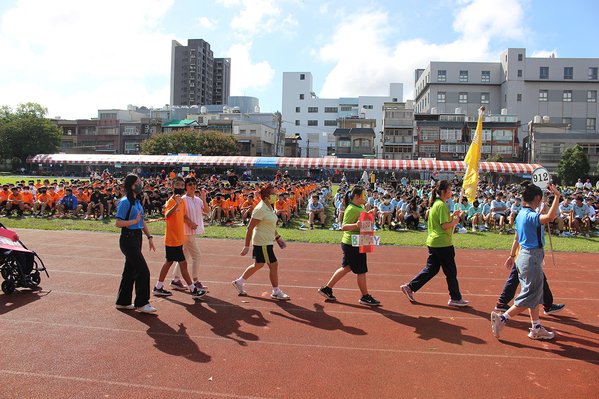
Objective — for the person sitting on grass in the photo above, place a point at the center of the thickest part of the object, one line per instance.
(41, 202)
(385, 211)
(82, 201)
(15, 201)
(219, 209)
(475, 216)
(67, 204)
(280, 207)
(515, 208)
(315, 211)
(27, 199)
(96, 201)
(498, 208)
(247, 208)
(109, 201)
(580, 217)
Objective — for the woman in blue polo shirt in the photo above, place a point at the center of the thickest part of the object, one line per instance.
(130, 218)
(530, 238)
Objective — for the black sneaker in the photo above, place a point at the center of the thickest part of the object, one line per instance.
(502, 307)
(161, 292)
(368, 300)
(556, 307)
(327, 293)
(197, 293)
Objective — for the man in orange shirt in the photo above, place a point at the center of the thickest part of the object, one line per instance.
(281, 209)
(4, 193)
(41, 201)
(27, 199)
(174, 237)
(15, 201)
(82, 201)
(248, 207)
(219, 208)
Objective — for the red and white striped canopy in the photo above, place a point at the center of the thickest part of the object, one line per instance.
(283, 162)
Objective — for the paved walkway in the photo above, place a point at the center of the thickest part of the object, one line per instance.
(68, 341)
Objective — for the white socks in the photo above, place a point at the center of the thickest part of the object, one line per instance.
(159, 285)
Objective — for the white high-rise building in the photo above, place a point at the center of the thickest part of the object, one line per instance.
(315, 119)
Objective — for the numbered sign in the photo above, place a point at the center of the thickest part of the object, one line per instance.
(541, 177)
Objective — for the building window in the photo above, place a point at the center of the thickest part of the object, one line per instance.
(484, 98)
(593, 73)
(297, 122)
(544, 73)
(592, 96)
(463, 76)
(568, 72)
(367, 106)
(312, 123)
(518, 97)
(330, 123)
(66, 145)
(591, 123)
(441, 76)
(567, 121)
(441, 97)
(297, 110)
(567, 96)
(519, 73)
(485, 77)
(301, 96)
(302, 76)
(519, 57)
(463, 99)
(543, 95)
(312, 110)
(330, 110)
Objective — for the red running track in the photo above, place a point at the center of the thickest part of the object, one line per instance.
(68, 341)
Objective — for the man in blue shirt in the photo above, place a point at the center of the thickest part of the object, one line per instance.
(315, 210)
(385, 212)
(564, 213)
(67, 204)
(515, 208)
(581, 216)
(498, 211)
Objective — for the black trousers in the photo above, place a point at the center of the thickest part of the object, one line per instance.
(509, 289)
(136, 270)
(439, 258)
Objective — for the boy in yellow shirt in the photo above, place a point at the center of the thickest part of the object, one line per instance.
(174, 237)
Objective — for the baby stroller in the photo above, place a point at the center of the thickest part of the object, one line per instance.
(18, 265)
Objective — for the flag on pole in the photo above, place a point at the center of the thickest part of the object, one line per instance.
(472, 160)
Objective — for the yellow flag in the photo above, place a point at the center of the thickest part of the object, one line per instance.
(472, 160)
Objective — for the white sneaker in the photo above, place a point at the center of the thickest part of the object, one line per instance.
(461, 302)
(540, 333)
(86, 217)
(462, 230)
(239, 288)
(101, 217)
(125, 307)
(281, 296)
(474, 229)
(147, 308)
(496, 324)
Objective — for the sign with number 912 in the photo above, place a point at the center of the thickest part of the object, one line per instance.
(541, 178)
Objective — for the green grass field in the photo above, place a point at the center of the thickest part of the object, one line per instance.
(478, 240)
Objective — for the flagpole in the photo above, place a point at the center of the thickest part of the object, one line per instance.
(482, 110)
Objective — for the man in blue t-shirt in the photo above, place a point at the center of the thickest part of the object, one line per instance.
(581, 216)
(315, 210)
(514, 209)
(498, 208)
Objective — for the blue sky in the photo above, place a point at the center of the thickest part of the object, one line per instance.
(75, 56)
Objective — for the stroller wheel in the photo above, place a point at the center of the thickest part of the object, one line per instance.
(35, 278)
(5, 271)
(8, 286)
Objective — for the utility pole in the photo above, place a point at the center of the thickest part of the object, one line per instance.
(308, 148)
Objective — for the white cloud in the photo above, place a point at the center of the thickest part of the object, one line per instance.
(75, 56)
(544, 53)
(259, 17)
(244, 74)
(477, 22)
(206, 23)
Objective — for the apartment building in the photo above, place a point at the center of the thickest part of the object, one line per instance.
(398, 131)
(448, 136)
(196, 76)
(565, 89)
(315, 119)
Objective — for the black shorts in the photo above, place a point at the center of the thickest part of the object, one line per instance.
(174, 254)
(264, 254)
(68, 207)
(497, 216)
(354, 259)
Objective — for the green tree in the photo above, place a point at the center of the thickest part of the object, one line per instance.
(192, 142)
(495, 158)
(574, 164)
(24, 137)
